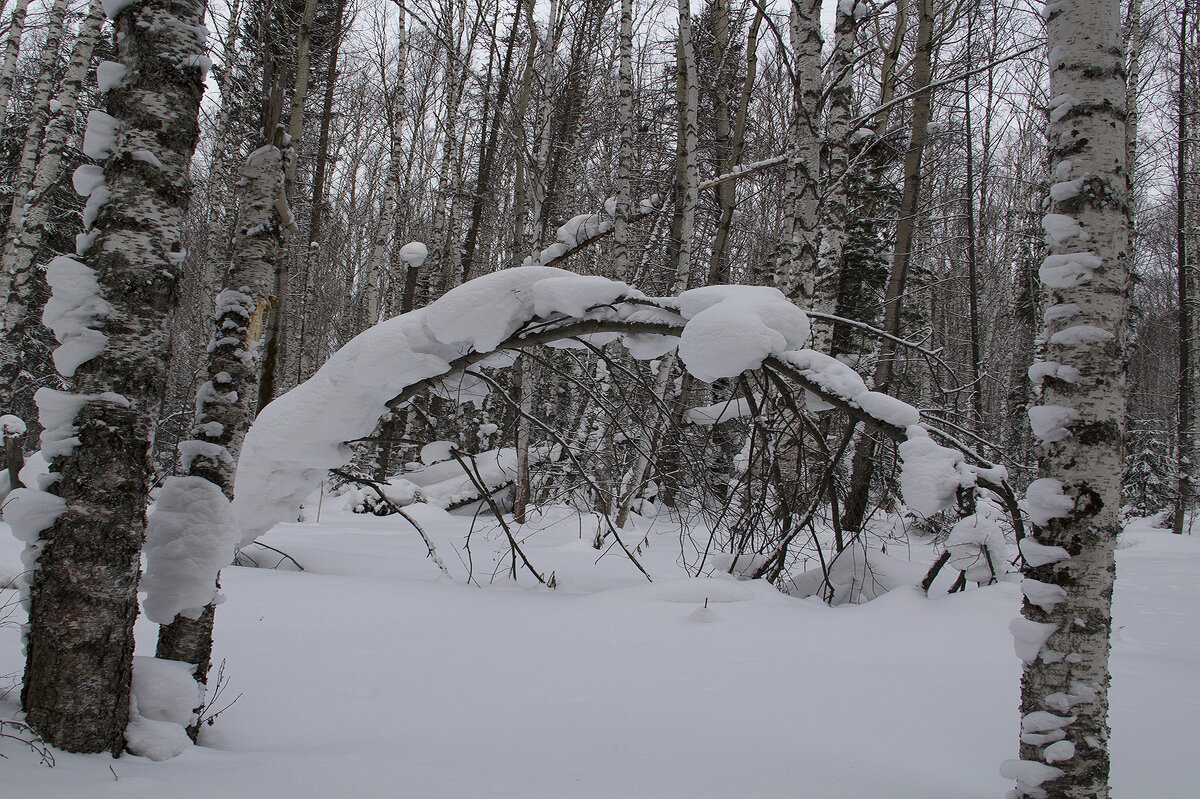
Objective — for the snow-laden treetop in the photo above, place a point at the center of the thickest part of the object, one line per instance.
(720, 331)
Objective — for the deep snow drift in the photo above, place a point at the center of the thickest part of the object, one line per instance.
(369, 675)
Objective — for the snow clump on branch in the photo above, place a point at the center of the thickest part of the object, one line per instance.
(731, 329)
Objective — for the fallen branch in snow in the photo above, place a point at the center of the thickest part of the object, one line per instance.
(462, 503)
(548, 331)
(720, 331)
(286, 556)
(374, 486)
(1001, 488)
(476, 478)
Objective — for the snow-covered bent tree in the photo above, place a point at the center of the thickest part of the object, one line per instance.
(720, 332)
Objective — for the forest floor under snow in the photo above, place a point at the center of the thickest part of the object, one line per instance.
(369, 675)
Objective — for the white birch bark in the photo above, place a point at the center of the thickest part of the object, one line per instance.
(729, 133)
(1064, 635)
(1188, 437)
(40, 115)
(83, 598)
(300, 89)
(652, 433)
(543, 120)
(399, 269)
(625, 158)
(241, 314)
(12, 46)
(315, 269)
(31, 145)
(25, 237)
(379, 266)
(795, 271)
(226, 402)
(840, 79)
(689, 132)
(521, 240)
(445, 257)
(1189, 247)
(277, 345)
(521, 485)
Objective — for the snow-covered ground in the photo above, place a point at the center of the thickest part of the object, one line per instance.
(369, 675)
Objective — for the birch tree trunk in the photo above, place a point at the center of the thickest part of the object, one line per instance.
(26, 235)
(683, 219)
(522, 488)
(1063, 637)
(522, 241)
(12, 46)
(624, 206)
(1133, 47)
(219, 167)
(307, 362)
(31, 145)
(1024, 312)
(795, 271)
(300, 89)
(382, 253)
(489, 137)
(565, 120)
(545, 127)
(972, 242)
(689, 133)
(835, 216)
(273, 358)
(443, 261)
(226, 401)
(39, 117)
(83, 598)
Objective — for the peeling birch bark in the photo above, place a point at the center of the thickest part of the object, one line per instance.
(226, 402)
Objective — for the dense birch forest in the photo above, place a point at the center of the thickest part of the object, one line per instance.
(985, 213)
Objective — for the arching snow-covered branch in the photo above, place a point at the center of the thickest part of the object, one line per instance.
(720, 331)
